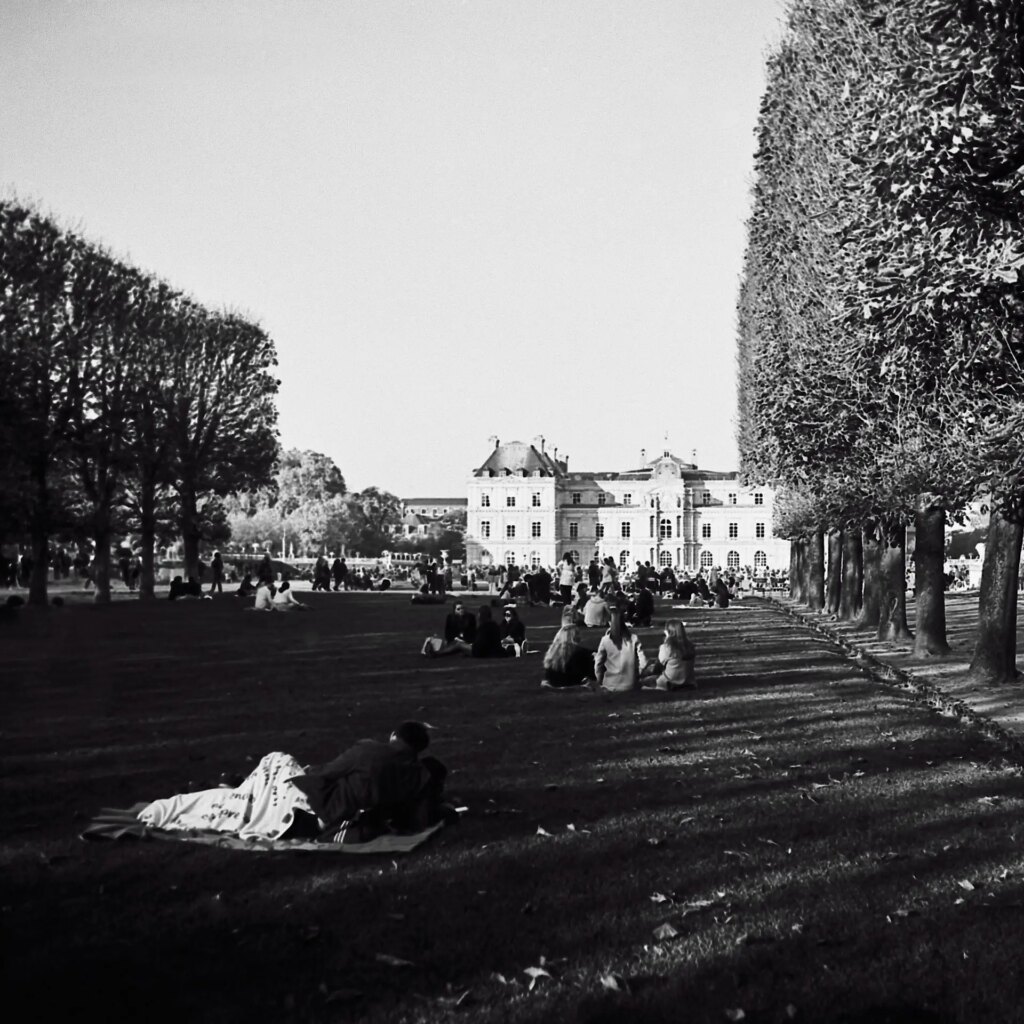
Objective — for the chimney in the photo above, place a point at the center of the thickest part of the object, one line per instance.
(565, 459)
(538, 442)
(494, 440)
(643, 455)
(555, 450)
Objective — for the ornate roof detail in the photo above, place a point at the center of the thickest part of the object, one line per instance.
(517, 458)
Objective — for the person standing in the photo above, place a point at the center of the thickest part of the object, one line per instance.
(566, 578)
(265, 571)
(336, 573)
(217, 568)
(593, 575)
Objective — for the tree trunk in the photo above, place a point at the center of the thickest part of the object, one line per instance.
(871, 592)
(930, 581)
(40, 535)
(190, 534)
(815, 546)
(794, 569)
(995, 655)
(853, 575)
(147, 530)
(800, 576)
(101, 576)
(892, 606)
(835, 572)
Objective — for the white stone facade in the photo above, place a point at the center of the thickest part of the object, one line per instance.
(526, 507)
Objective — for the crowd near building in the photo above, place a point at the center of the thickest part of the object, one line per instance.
(525, 507)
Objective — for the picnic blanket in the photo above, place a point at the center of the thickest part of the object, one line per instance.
(123, 823)
(253, 815)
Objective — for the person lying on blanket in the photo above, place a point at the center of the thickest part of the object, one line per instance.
(371, 788)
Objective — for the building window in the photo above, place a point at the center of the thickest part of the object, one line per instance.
(732, 498)
(623, 559)
(665, 529)
(576, 497)
(758, 498)
(706, 498)
(602, 498)
(759, 530)
(574, 530)
(732, 560)
(734, 530)
(485, 500)
(510, 500)
(510, 531)
(665, 559)
(510, 558)
(705, 530)
(534, 559)
(706, 559)
(535, 499)
(534, 529)
(599, 531)
(760, 559)
(627, 499)
(626, 530)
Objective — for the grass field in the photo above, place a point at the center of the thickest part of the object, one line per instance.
(823, 848)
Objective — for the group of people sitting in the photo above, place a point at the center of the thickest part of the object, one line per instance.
(270, 596)
(619, 664)
(479, 636)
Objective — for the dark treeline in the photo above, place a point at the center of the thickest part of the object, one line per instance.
(124, 405)
(881, 313)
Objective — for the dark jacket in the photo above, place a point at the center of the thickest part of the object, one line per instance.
(487, 642)
(369, 776)
(514, 630)
(462, 626)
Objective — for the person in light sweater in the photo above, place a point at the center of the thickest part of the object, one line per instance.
(620, 657)
(674, 668)
(596, 611)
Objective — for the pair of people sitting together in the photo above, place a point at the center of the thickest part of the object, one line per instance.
(479, 637)
(620, 664)
(277, 599)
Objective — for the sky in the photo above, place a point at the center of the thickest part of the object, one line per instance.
(457, 218)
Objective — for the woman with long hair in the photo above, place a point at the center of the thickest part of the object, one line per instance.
(487, 642)
(676, 654)
(567, 662)
(620, 658)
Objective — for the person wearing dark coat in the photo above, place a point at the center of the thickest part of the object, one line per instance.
(541, 588)
(217, 567)
(487, 642)
(642, 607)
(513, 633)
(321, 574)
(377, 785)
(265, 571)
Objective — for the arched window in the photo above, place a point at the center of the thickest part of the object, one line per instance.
(623, 559)
(706, 559)
(760, 559)
(510, 558)
(534, 559)
(732, 560)
(665, 529)
(665, 559)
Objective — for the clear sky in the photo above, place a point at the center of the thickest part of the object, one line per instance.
(456, 219)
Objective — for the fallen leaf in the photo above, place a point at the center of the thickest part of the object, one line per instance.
(500, 977)
(614, 983)
(534, 974)
(541, 831)
(570, 827)
(790, 1011)
(665, 931)
(736, 1014)
(655, 841)
(965, 884)
(392, 961)
(658, 897)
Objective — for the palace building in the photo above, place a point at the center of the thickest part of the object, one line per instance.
(526, 507)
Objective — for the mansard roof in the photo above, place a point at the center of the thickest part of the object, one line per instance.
(517, 459)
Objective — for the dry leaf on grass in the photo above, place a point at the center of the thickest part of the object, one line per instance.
(392, 961)
(542, 831)
(614, 983)
(965, 884)
(658, 897)
(535, 973)
(736, 1014)
(665, 931)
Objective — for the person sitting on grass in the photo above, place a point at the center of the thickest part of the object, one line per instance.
(567, 662)
(184, 591)
(596, 612)
(487, 642)
(620, 658)
(246, 588)
(642, 607)
(459, 631)
(513, 634)
(286, 601)
(674, 667)
(264, 598)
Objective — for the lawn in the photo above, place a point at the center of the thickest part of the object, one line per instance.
(822, 847)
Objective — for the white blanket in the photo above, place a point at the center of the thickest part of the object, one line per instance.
(262, 807)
